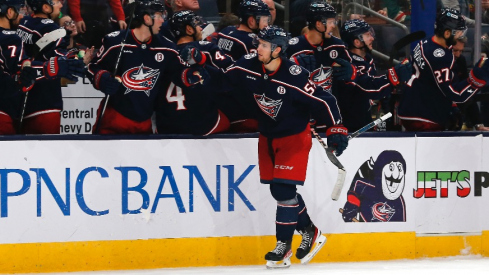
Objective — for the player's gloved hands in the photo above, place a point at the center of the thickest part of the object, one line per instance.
(351, 208)
(308, 61)
(27, 76)
(107, 83)
(61, 67)
(194, 76)
(337, 138)
(192, 55)
(479, 75)
(344, 70)
(400, 73)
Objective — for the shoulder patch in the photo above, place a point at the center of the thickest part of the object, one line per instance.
(295, 70)
(439, 53)
(252, 35)
(250, 55)
(204, 42)
(8, 32)
(113, 34)
(294, 41)
(357, 58)
(47, 21)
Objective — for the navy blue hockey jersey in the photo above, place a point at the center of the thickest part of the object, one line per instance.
(285, 100)
(431, 90)
(355, 98)
(236, 43)
(142, 67)
(325, 55)
(46, 94)
(192, 110)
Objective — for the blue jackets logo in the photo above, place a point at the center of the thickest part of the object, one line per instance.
(140, 79)
(269, 106)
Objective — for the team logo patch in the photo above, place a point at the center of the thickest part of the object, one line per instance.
(293, 41)
(250, 55)
(204, 42)
(322, 77)
(357, 58)
(295, 70)
(252, 35)
(281, 90)
(47, 21)
(439, 53)
(140, 79)
(159, 57)
(333, 54)
(113, 34)
(269, 106)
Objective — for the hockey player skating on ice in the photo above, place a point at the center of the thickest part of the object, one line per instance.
(323, 54)
(146, 59)
(236, 42)
(355, 98)
(285, 100)
(428, 97)
(375, 194)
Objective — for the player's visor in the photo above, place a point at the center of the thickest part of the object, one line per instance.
(329, 21)
(263, 19)
(459, 33)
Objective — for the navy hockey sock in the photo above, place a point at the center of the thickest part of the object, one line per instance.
(286, 220)
(303, 220)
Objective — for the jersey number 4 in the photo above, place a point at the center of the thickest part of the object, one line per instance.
(175, 94)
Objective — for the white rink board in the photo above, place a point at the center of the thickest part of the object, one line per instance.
(95, 170)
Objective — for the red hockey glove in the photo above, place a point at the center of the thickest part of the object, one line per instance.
(400, 73)
(479, 75)
(337, 138)
(61, 67)
(26, 77)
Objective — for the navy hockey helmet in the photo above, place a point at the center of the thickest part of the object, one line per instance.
(36, 5)
(180, 20)
(253, 8)
(354, 29)
(277, 36)
(149, 7)
(450, 19)
(319, 11)
(5, 4)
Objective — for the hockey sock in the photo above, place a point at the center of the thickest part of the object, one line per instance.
(286, 220)
(303, 220)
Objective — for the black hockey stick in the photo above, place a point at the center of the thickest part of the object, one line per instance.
(406, 40)
(340, 180)
(114, 73)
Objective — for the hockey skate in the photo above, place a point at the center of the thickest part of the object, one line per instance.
(280, 256)
(312, 242)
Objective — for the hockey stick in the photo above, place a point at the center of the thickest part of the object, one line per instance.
(114, 73)
(340, 180)
(353, 219)
(404, 41)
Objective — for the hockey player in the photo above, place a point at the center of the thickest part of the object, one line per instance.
(145, 61)
(44, 102)
(285, 99)
(428, 97)
(324, 55)
(236, 42)
(355, 98)
(182, 110)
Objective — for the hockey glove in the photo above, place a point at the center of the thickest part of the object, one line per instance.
(307, 61)
(26, 76)
(57, 67)
(351, 208)
(337, 138)
(194, 76)
(344, 70)
(400, 73)
(106, 83)
(192, 55)
(479, 75)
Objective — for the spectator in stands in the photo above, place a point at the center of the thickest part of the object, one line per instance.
(78, 50)
(92, 20)
(397, 10)
(273, 11)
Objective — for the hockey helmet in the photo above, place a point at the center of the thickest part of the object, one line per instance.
(277, 36)
(253, 8)
(149, 7)
(5, 4)
(319, 11)
(450, 19)
(354, 29)
(180, 20)
(36, 5)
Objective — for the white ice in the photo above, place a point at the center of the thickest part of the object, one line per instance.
(460, 265)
